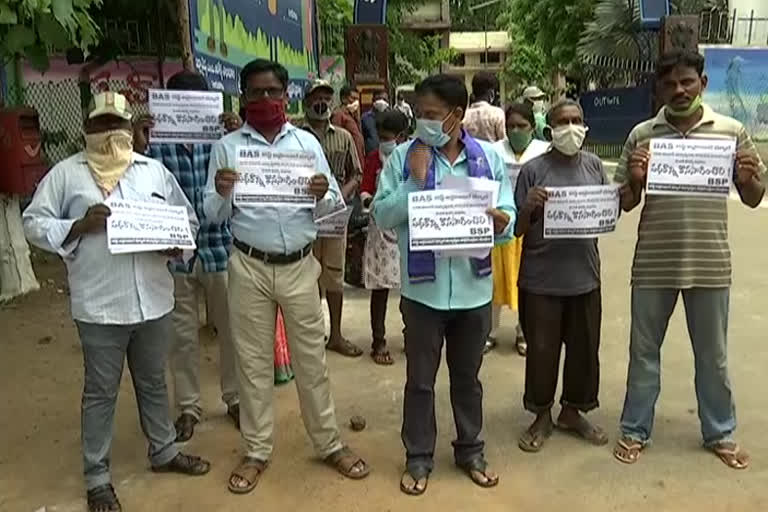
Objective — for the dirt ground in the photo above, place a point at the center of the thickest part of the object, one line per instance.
(41, 379)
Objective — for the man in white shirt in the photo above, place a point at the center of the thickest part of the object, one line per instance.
(121, 304)
(484, 121)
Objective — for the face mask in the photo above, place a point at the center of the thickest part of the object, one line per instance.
(266, 114)
(386, 148)
(432, 133)
(569, 139)
(519, 139)
(354, 106)
(380, 105)
(538, 106)
(319, 111)
(687, 112)
(109, 154)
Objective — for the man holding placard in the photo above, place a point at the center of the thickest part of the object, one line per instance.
(561, 197)
(121, 301)
(685, 160)
(272, 179)
(185, 150)
(445, 236)
(330, 251)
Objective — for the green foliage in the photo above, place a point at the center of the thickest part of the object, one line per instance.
(334, 16)
(525, 65)
(29, 28)
(554, 26)
(613, 30)
(465, 20)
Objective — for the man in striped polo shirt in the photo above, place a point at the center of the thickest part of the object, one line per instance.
(683, 247)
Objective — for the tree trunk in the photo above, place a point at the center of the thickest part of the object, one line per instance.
(185, 35)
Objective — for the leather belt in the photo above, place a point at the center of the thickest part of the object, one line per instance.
(271, 258)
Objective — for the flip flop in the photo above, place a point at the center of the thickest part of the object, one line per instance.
(382, 357)
(345, 348)
(731, 455)
(533, 442)
(479, 466)
(586, 431)
(417, 474)
(628, 450)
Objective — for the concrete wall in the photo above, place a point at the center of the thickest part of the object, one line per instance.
(759, 32)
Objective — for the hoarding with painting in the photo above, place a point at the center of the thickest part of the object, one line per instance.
(738, 86)
(227, 34)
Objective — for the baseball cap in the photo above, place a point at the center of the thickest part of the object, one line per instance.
(532, 92)
(320, 84)
(109, 104)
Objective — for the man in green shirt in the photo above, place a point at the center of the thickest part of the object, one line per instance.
(682, 248)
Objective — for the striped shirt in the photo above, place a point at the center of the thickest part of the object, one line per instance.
(339, 148)
(682, 241)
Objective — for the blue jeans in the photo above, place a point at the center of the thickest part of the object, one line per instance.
(105, 347)
(706, 311)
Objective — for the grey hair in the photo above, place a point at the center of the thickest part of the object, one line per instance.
(565, 102)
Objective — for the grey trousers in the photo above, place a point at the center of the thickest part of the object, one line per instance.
(105, 347)
(464, 332)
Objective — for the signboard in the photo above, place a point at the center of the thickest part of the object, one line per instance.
(691, 167)
(612, 113)
(449, 220)
(652, 11)
(371, 11)
(226, 35)
(581, 212)
(277, 177)
(185, 117)
(137, 226)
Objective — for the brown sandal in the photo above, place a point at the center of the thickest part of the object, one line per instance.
(628, 450)
(731, 454)
(249, 470)
(345, 461)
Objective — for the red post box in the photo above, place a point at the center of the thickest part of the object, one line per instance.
(21, 158)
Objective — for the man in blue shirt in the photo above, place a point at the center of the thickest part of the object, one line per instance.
(272, 265)
(443, 298)
(206, 272)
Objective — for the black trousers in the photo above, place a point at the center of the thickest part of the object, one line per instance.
(378, 309)
(464, 332)
(548, 322)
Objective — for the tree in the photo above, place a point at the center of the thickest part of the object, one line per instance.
(613, 31)
(29, 28)
(334, 16)
(554, 26)
(525, 65)
(465, 20)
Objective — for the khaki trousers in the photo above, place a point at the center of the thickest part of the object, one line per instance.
(185, 354)
(255, 291)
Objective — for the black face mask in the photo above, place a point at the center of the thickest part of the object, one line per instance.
(320, 110)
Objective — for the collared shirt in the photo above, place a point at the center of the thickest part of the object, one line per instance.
(344, 119)
(105, 288)
(485, 122)
(189, 165)
(456, 286)
(339, 148)
(682, 241)
(535, 149)
(276, 230)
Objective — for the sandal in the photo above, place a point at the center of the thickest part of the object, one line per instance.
(185, 427)
(628, 450)
(420, 477)
(532, 441)
(521, 346)
(103, 499)
(585, 430)
(348, 464)
(730, 453)
(345, 348)
(477, 470)
(185, 465)
(249, 471)
(490, 344)
(233, 411)
(381, 356)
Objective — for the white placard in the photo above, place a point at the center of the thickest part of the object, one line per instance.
(581, 212)
(334, 226)
(696, 167)
(466, 183)
(270, 177)
(185, 117)
(137, 226)
(446, 220)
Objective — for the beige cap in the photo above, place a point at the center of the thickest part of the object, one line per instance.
(532, 92)
(320, 84)
(109, 104)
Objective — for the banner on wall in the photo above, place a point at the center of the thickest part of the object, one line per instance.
(370, 12)
(227, 34)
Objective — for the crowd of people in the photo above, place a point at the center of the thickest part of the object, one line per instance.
(264, 272)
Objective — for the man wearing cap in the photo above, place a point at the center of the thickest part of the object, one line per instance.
(206, 272)
(272, 265)
(121, 304)
(536, 98)
(339, 148)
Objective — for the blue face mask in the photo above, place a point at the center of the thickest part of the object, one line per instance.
(386, 148)
(431, 132)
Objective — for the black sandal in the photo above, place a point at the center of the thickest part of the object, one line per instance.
(416, 473)
(479, 465)
(185, 465)
(103, 499)
(185, 427)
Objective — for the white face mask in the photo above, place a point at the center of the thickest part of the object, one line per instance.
(569, 139)
(380, 105)
(538, 106)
